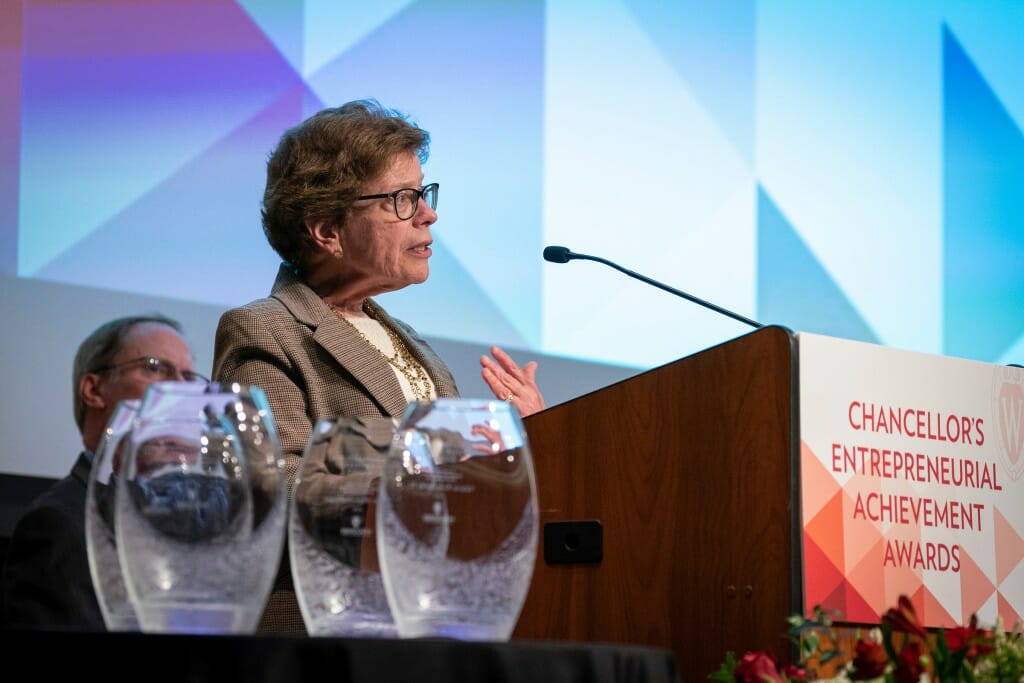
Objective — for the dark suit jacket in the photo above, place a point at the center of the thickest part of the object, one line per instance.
(46, 579)
(312, 366)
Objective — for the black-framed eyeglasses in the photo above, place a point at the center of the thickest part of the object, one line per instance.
(407, 199)
(160, 369)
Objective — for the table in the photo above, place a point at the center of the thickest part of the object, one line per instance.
(145, 658)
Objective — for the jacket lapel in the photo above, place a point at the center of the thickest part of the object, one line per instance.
(341, 341)
(443, 384)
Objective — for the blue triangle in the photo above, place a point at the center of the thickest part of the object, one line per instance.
(430, 307)
(690, 35)
(793, 288)
(216, 255)
(282, 23)
(983, 206)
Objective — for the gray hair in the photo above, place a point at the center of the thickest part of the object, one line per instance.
(99, 349)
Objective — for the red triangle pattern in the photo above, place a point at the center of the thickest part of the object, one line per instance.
(860, 536)
(975, 587)
(836, 600)
(869, 574)
(826, 528)
(1007, 614)
(821, 577)
(867, 585)
(933, 612)
(858, 609)
(916, 599)
(1009, 547)
(900, 581)
(816, 483)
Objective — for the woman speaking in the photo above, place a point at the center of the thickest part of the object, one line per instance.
(347, 210)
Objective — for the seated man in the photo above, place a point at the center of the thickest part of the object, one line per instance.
(46, 579)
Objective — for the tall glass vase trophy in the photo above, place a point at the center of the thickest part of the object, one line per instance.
(331, 532)
(200, 508)
(100, 541)
(457, 520)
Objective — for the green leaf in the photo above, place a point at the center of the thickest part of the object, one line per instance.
(725, 674)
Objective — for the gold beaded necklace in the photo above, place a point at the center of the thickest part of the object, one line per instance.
(400, 360)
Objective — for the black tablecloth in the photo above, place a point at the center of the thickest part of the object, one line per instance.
(50, 655)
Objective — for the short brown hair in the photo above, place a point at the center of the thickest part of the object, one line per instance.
(320, 166)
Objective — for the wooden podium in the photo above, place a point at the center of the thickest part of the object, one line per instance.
(670, 507)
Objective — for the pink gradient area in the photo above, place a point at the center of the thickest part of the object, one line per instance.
(1007, 613)
(826, 528)
(822, 577)
(822, 505)
(1009, 546)
(932, 613)
(817, 483)
(868, 574)
(975, 587)
(901, 581)
(861, 536)
(860, 610)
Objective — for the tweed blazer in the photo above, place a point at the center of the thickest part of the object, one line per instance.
(311, 365)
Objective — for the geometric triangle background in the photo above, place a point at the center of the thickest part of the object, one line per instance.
(828, 577)
(975, 586)
(868, 575)
(98, 122)
(793, 287)
(933, 611)
(822, 527)
(1009, 547)
(983, 236)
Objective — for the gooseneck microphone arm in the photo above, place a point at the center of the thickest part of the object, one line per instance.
(563, 255)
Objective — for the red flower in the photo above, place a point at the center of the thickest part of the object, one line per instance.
(869, 660)
(972, 639)
(909, 664)
(906, 653)
(793, 672)
(758, 667)
(903, 618)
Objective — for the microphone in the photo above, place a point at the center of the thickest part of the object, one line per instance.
(558, 254)
(564, 255)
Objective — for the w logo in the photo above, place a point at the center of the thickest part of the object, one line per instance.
(1009, 414)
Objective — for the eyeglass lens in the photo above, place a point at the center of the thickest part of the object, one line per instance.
(408, 200)
(168, 371)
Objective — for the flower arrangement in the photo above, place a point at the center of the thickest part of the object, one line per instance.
(899, 651)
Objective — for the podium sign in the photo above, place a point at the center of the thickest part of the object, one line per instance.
(699, 504)
(912, 482)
